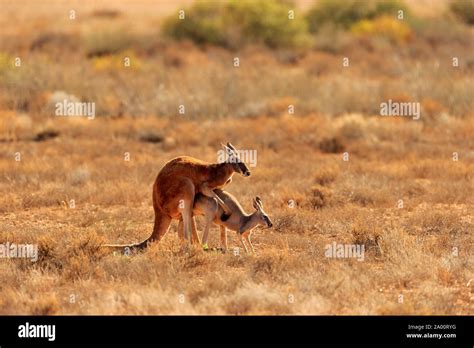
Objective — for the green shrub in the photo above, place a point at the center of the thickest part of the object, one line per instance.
(464, 10)
(238, 23)
(384, 26)
(344, 13)
(203, 23)
(110, 41)
(265, 21)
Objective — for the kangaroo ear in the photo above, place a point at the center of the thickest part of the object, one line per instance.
(228, 150)
(255, 204)
(259, 201)
(229, 145)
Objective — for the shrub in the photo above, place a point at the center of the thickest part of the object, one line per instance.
(332, 145)
(203, 23)
(319, 197)
(107, 42)
(114, 62)
(332, 39)
(6, 63)
(264, 21)
(345, 13)
(237, 23)
(464, 10)
(385, 26)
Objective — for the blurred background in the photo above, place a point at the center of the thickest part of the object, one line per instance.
(79, 48)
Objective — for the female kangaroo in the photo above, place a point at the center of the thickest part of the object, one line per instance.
(239, 220)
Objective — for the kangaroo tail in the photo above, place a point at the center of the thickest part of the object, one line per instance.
(140, 245)
(162, 223)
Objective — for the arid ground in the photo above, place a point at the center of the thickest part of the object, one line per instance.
(332, 171)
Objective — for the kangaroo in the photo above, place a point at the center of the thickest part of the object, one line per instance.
(176, 185)
(239, 220)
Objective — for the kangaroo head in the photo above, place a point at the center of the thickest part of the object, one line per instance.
(262, 217)
(234, 159)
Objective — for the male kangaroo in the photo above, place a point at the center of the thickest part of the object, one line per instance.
(177, 184)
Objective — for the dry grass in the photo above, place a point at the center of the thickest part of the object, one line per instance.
(408, 250)
(73, 190)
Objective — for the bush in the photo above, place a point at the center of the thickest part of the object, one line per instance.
(464, 10)
(265, 21)
(6, 63)
(344, 13)
(386, 27)
(235, 24)
(332, 39)
(203, 23)
(107, 42)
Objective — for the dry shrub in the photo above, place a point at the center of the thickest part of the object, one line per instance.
(403, 256)
(332, 145)
(266, 266)
(463, 10)
(362, 197)
(49, 257)
(46, 304)
(89, 245)
(434, 222)
(285, 223)
(368, 236)
(35, 200)
(367, 190)
(150, 136)
(46, 135)
(319, 197)
(326, 174)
